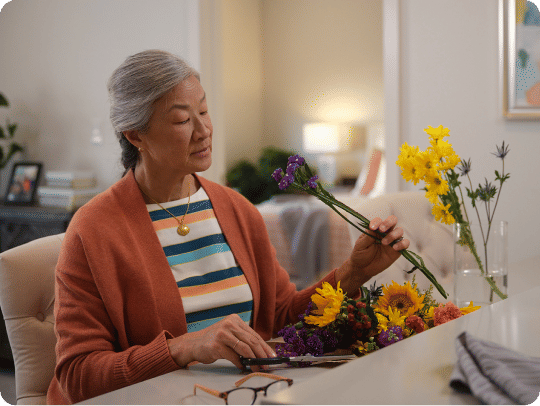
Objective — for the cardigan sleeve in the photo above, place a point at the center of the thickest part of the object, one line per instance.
(89, 360)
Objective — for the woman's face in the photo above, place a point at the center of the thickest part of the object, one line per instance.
(179, 135)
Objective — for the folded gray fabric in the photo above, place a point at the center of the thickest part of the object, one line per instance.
(493, 374)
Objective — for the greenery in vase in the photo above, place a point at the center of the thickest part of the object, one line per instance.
(7, 134)
(435, 167)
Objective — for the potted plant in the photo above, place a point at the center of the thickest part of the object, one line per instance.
(8, 147)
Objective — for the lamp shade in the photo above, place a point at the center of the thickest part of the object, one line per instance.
(329, 137)
(320, 138)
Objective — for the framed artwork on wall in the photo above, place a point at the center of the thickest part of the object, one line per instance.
(519, 37)
(23, 183)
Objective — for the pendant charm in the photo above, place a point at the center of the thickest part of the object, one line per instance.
(183, 230)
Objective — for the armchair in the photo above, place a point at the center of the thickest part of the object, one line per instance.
(27, 300)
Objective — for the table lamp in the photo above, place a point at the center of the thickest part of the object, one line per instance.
(327, 139)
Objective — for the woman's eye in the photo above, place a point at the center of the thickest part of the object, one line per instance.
(202, 113)
(182, 121)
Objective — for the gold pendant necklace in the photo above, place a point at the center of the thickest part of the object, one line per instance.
(182, 229)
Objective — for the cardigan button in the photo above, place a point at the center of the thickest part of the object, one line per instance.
(40, 316)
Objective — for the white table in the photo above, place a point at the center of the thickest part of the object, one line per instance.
(413, 371)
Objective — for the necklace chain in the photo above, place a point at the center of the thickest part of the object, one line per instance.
(182, 229)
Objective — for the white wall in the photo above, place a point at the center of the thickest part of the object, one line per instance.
(450, 75)
(322, 61)
(56, 59)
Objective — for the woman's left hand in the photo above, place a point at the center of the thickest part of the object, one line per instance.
(370, 256)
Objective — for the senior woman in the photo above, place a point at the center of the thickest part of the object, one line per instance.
(166, 268)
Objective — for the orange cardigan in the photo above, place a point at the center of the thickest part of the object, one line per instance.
(117, 301)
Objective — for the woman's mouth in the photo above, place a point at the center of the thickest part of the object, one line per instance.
(202, 153)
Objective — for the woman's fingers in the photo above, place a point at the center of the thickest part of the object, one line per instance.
(394, 235)
(243, 341)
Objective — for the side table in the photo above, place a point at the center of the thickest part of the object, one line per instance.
(19, 225)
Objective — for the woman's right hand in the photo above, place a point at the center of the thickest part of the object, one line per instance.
(228, 339)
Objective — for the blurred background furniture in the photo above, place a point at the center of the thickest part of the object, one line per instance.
(372, 178)
(430, 239)
(22, 224)
(27, 300)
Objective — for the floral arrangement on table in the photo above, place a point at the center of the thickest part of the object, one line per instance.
(380, 317)
(299, 176)
(435, 167)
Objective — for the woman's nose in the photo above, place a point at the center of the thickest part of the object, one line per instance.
(203, 128)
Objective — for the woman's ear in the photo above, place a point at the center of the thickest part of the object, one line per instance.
(133, 137)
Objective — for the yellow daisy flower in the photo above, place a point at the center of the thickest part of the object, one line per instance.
(469, 309)
(436, 184)
(426, 163)
(441, 148)
(449, 162)
(403, 298)
(411, 174)
(442, 214)
(437, 133)
(407, 153)
(328, 305)
(432, 196)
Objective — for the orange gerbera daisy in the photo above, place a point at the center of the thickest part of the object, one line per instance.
(401, 297)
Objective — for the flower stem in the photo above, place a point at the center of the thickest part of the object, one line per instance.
(412, 257)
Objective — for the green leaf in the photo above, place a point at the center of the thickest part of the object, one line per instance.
(3, 101)
(11, 129)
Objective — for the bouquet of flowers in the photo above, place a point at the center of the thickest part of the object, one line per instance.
(299, 176)
(380, 317)
(435, 166)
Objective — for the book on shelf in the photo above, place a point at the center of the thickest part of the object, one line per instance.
(71, 179)
(65, 197)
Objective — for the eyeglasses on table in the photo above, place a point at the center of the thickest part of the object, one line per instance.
(245, 395)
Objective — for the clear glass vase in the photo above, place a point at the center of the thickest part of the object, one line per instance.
(480, 268)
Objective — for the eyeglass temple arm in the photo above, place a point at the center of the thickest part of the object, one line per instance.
(264, 375)
(208, 390)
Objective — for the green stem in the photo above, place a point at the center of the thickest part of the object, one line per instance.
(412, 257)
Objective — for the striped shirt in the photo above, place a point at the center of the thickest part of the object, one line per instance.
(210, 282)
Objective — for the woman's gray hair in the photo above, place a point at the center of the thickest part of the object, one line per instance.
(134, 87)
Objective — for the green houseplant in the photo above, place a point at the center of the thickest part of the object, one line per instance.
(8, 147)
(255, 181)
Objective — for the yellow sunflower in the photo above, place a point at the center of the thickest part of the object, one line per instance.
(469, 309)
(394, 319)
(400, 297)
(328, 305)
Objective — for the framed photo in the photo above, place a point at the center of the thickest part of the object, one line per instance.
(519, 37)
(23, 183)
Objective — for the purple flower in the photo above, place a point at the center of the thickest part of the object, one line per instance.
(291, 168)
(278, 174)
(286, 181)
(330, 340)
(298, 346)
(288, 333)
(502, 151)
(296, 159)
(465, 167)
(390, 336)
(314, 345)
(312, 182)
